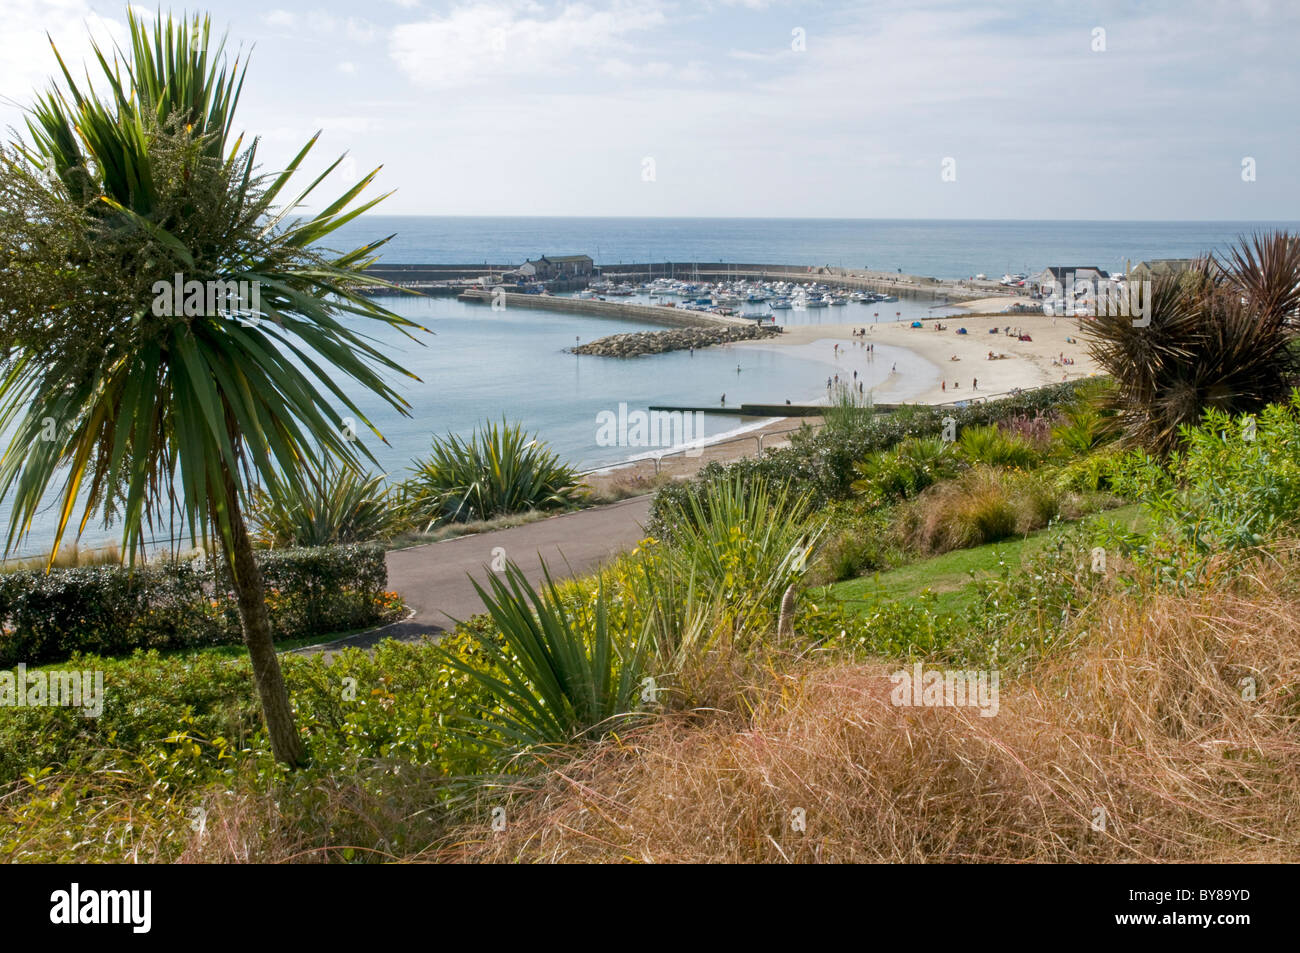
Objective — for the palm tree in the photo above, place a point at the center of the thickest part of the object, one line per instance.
(1221, 335)
(152, 415)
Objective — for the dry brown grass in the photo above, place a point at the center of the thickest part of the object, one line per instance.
(624, 483)
(984, 505)
(69, 556)
(372, 817)
(1144, 718)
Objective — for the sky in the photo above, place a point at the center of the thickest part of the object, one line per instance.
(1181, 110)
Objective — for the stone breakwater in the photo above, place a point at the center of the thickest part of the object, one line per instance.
(658, 342)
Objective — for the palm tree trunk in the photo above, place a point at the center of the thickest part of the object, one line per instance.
(286, 743)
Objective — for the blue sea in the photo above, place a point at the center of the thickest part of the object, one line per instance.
(477, 364)
(937, 248)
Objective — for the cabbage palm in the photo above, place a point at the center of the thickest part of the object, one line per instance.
(1221, 336)
(153, 418)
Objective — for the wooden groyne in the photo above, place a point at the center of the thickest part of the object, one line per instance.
(768, 410)
(749, 410)
(653, 314)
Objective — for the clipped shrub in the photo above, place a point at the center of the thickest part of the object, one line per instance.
(105, 610)
(111, 610)
(321, 589)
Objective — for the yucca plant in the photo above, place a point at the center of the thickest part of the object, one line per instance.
(743, 542)
(1221, 336)
(339, 505)
(151, 415)
(553, 679)
(498, 470)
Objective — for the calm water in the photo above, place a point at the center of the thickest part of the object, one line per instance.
(480, 364)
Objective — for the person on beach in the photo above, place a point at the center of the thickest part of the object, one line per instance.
(943, 386)
(975, 384)
(893, 369)
(724, 400)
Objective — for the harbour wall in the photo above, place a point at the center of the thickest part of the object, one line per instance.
(847, 278)
(452, 279)
(653, 314)
(407, 274)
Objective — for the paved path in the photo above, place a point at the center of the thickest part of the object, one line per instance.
(434, 579)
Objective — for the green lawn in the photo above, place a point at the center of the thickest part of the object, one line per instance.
(949, 576)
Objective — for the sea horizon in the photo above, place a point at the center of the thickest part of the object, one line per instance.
(940, 248)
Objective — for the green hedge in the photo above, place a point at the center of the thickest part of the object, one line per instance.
(821, 461)
(109, 610)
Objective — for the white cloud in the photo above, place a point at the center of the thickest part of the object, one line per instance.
(354, 28)
(347, 124)
(279, 18)
(478, 43)
(655, 69)
(26, 61)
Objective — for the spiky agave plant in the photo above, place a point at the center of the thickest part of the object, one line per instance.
(152, 413)
(498, 470)
(339, 505)
(554, 678)
(1221, 336)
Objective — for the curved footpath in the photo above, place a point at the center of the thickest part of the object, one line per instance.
(434, 579)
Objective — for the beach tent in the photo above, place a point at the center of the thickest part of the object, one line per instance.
(916, 324)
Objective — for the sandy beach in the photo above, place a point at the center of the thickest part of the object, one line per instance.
(934, 377)
(1015, 363)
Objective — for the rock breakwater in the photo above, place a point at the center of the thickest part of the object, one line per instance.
(638, 343)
